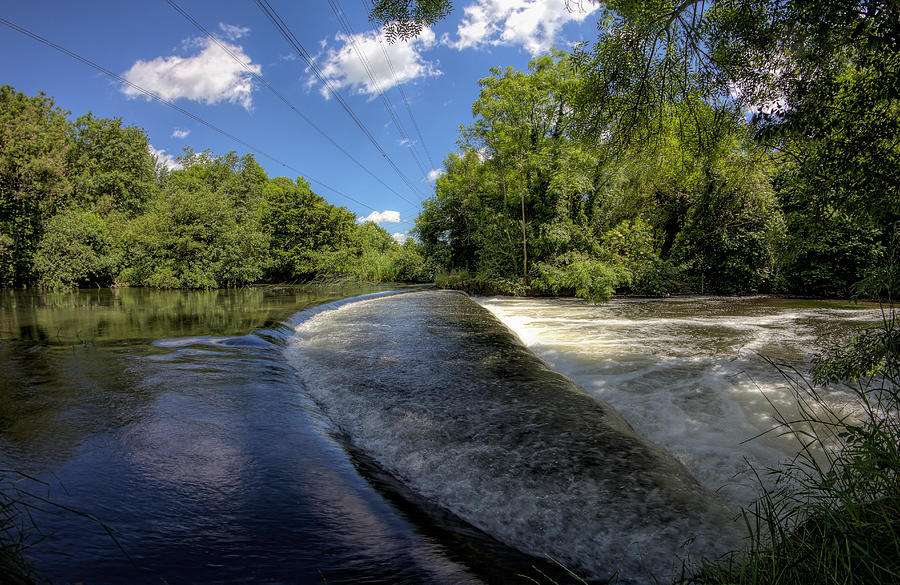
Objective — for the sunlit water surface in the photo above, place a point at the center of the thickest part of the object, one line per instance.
(175, 420)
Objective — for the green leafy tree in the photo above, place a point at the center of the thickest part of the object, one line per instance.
(818, 82)
(374, 238)
(522, 127)
(240, 178)
(729, 241)
(309, 237)
(109, 166)
(32, 178)
(822, 79)
(77, 248)
(405, 19)
(194, 236)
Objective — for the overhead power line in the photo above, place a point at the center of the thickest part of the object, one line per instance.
(387, 58)
(292, 40)
(174, 106)
(268, 86)
(370, 73)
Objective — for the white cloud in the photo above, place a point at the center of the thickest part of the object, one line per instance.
(180, 133)
(233, 32)
(343, 68)
(386, 216)
(534, 25)
(433, 174)
(167, 160)
(211, 76)
(398, 237)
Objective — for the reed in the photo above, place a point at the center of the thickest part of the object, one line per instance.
(833, 513)
(14, 569)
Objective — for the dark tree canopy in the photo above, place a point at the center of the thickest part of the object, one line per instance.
(405, 19)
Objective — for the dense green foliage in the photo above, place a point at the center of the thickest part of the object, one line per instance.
(82, 203)
(752, 143)
(32, 178)
(530, 199)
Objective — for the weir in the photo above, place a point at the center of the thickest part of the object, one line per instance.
(445, 398)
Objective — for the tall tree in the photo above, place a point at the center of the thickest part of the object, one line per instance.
(522, 126)
(309, 236)
(109, 165)
(32, 177)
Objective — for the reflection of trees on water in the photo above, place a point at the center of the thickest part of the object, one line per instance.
(71, 366)
(52, 399)
(133, 315)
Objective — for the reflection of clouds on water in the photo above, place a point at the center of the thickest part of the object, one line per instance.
(689, 374)
(199, 458)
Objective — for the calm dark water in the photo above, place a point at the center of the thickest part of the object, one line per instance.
(210, 442)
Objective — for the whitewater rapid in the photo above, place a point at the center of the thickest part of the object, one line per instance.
(444, 397)
(696, 375)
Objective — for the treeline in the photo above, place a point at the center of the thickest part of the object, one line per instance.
(725, 148)
(84, 203)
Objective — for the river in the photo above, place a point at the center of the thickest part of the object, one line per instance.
(280, 435)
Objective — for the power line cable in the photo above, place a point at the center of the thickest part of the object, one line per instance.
(175, 107)
(387, 58)
(370, 73)
(292, 40)
(267, 85)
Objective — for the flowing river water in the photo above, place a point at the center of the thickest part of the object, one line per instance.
(287, 436)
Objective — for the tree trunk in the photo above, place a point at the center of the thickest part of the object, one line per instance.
(524, 237)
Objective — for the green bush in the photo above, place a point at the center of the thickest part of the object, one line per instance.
(77, 248)
(587, 278)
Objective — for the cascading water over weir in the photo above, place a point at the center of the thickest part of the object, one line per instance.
(446, 399)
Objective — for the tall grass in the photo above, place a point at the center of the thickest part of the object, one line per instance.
(833, 513)
(14, 569)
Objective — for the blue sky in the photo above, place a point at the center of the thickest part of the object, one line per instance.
(156, 48)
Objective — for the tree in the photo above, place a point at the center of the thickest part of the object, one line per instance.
(193, 235)
(823, 81)
(240, 178)
(309, 237)
(374, 237)
(405, 19)
(730, 235)
(820, 80)
(77, 248)
(464, 216)
(32, 177)
(109, 166)
(522, 127)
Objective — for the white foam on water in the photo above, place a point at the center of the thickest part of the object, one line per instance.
(689, 374)
(447, 401)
